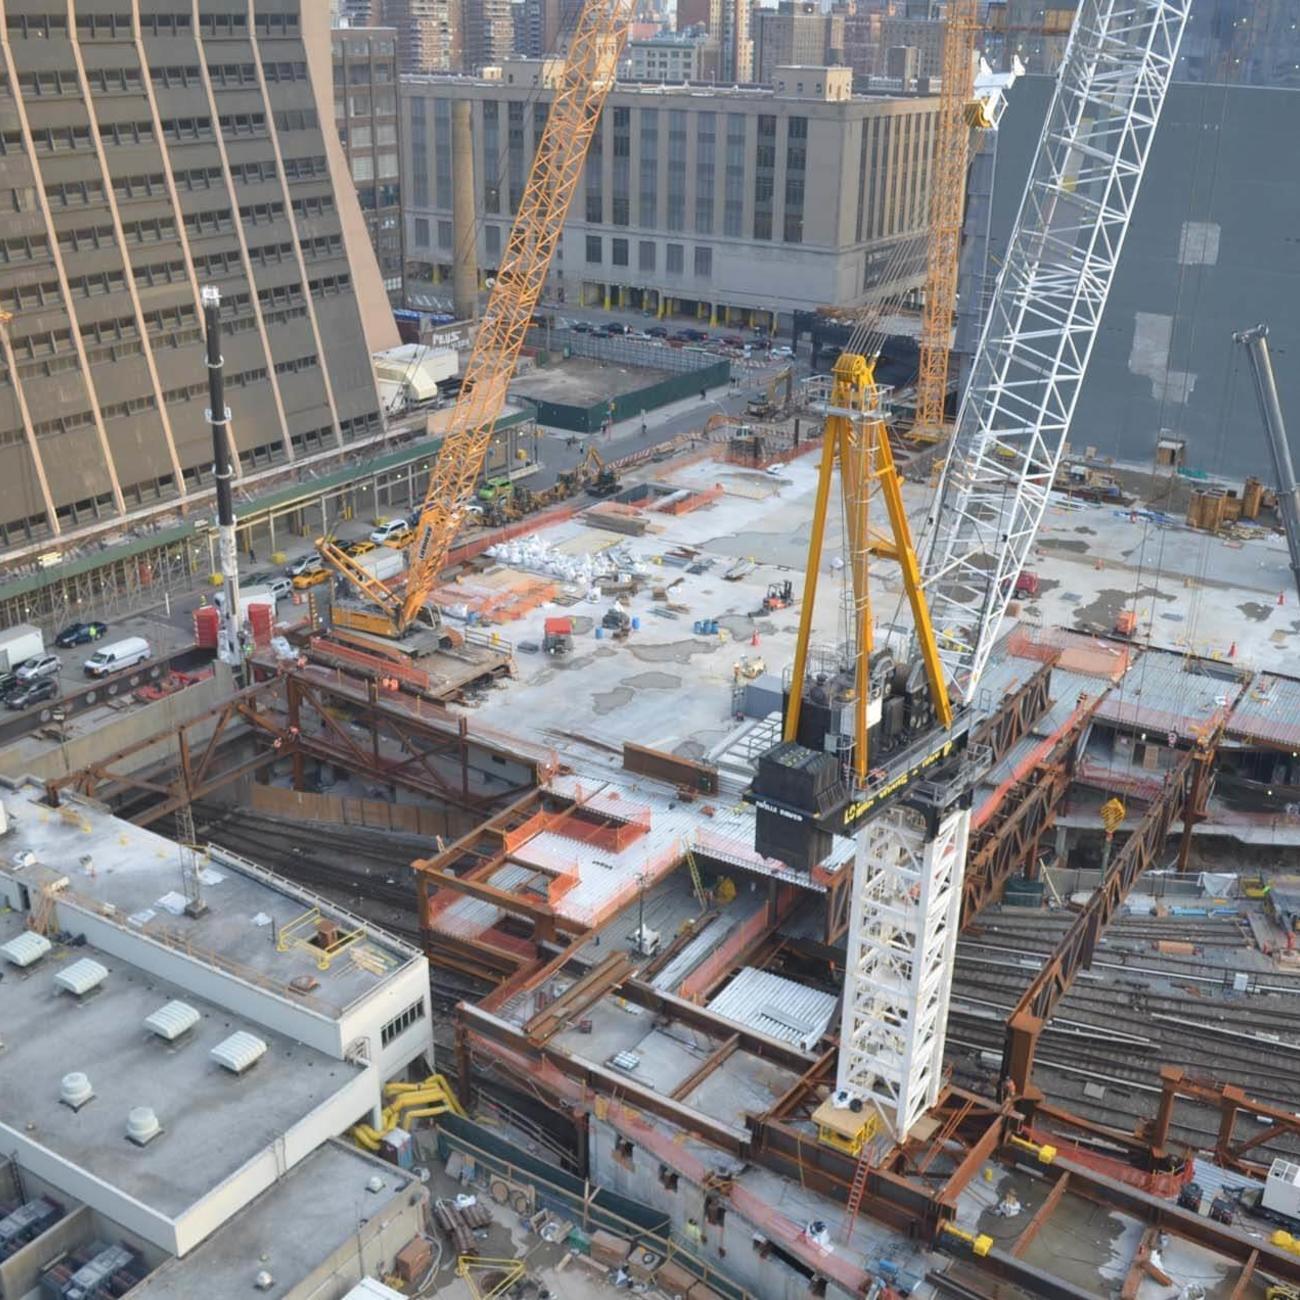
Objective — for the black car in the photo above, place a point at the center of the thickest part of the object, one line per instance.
(81, 634)
(617, 327)
(581, 327)
(9, 681)
(43, 688)
(657, 332)
(696, 336)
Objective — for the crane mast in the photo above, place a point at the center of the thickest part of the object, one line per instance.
(589, 71)
(1011, 430)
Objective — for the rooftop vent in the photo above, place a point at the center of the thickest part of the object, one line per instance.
(239, 1052)
(23, 858)
(75, 1090)
(4, 818)
(173, 1020)
(142, 1125)
(27, 948)
(82, 976)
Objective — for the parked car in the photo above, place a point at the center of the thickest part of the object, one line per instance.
(279, 587)
(34, 692)
(311, 578)
(780, 353)
(81, 633)
(118, 656)
(581, 327)
(362, 546)
(389, 529)
(617, 327)
(46, 665)
(734, 341)
(400, 541)
(9, 681)
(696, 336)
(307, 564)
(657, 332)
(275, 583)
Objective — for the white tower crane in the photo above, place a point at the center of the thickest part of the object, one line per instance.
(1011, 430)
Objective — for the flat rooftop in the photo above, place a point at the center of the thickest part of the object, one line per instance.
(134, 876)
(288, 1231)
(213, 1121)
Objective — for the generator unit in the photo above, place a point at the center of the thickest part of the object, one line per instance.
(26, 1223)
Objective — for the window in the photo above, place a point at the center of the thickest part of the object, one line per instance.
(400, 1024)
(618, 252)
(593, 250)
(492, 237)
(676, 259)
(422, 232)
(704, 263)
(444, 234)
(646, 256)
(363, 167)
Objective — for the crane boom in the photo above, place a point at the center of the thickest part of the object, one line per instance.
(1043, 319)
(590, 67)
(1255, 341)
(947, 203)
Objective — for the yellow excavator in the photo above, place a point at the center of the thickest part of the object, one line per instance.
(589, 71)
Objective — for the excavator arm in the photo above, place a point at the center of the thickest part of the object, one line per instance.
(588, 77)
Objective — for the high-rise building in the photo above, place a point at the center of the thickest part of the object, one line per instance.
(925, 35)
(670, 56)
(741, 204)
(546, 24)
(365, 111)
(141, 163)
(1034, 31)
(727, 24)
(1242, 43)
(861, 39)
(796, 33)
(428, 33)
(487, 33)
(694, 13)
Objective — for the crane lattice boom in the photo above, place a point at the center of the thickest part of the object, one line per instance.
(592, 61)
(947, 203)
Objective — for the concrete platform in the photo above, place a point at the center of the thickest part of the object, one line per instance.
(581, 381)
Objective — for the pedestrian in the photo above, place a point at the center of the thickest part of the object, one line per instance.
(704, 394)
(643, 424)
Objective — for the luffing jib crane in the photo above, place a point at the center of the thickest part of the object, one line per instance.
(910, 812)
(588, 76)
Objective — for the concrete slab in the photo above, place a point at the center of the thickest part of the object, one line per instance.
(581, 381)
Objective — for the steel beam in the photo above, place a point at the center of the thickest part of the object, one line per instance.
(1040, 1216)
(712, 1062)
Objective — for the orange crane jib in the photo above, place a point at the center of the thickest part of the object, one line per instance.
(588, 76)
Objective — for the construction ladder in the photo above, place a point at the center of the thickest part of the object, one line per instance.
(696, 883)
(856, 1191)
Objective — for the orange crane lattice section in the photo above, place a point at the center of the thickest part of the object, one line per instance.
(947, 203)
(588, 76)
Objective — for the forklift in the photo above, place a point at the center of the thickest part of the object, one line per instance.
(780, 595)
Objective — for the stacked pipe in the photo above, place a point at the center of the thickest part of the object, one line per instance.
(460, 1222)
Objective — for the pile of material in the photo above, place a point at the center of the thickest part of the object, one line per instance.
(617, 518)
(495, 597)
(461, 1219)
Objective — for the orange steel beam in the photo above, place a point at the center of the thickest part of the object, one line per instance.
(947, 203)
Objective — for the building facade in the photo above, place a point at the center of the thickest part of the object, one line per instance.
(146, 155)
(543, 24)
(365, 112)
(428, 33)
(669, 57)
(1032, 31)
(727, 24)
(487, 33)
(797, 33)
(925, 35)
(742, 203)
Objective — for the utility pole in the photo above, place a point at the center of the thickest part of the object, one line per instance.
(218, 416)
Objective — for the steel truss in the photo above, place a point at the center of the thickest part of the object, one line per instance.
(902, 939)
(1043, 320)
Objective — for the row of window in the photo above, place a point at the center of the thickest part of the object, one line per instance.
(119, 26)
(674, 256)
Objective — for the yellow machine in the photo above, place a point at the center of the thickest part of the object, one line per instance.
(592, 61)
(499, 1275)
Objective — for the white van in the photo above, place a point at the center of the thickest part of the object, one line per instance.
(121, 654)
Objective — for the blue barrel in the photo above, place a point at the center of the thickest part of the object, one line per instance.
(600, 634)
(636, 625)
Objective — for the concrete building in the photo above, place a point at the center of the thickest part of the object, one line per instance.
(727, 22)
(139, 170)
(365, 111)
(1033, 31)
(684, 194)
(925, 35)
(205, 1057)
(671, 56)
(487, 33)
(429, 35)
(797, 33)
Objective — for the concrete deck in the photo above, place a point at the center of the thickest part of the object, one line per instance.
(582, 381)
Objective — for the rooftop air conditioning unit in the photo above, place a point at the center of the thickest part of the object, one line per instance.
(81, 976)
(172, 1020)
(240, 1052)
(26, 949)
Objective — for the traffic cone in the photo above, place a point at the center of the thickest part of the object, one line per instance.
(1281, 597)
(1232, 651)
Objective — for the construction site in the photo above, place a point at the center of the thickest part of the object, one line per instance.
(821, 854)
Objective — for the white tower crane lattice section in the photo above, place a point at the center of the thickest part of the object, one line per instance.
(1011, 430)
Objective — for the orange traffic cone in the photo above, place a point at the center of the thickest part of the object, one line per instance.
(754, 639)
